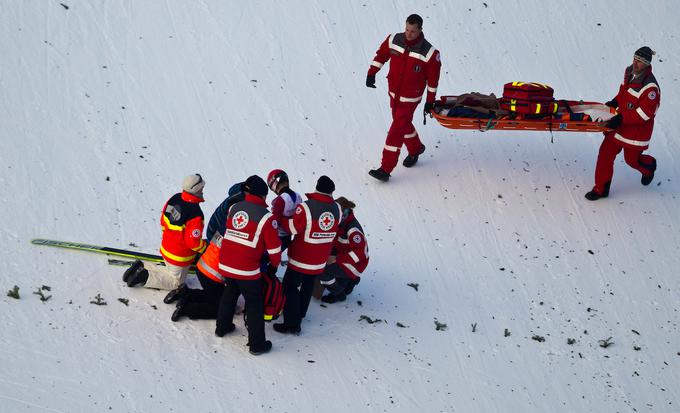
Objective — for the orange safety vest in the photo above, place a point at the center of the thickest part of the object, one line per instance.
(209, 263)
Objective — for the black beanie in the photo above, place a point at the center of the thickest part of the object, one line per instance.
(256, 186)
(325, 185)
(644, 55)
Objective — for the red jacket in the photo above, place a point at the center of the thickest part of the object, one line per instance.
(414, 65)
(250, 232)
(638, 100)
(182, 225)
(314, 227)
(351, 248)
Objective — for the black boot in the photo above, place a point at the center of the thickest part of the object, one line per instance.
(138, 278)
(351, 285)
(594, 196)
(285, 329)
(379, 174)
(411, 160)
(222, 331)
(175, 294)
(647, 179)
(333, 298)
(261, 349)
(133, 269)
(178, 313)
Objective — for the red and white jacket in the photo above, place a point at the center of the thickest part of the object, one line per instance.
(351, 248)
(415, 65)
(250, 232)
(182, 226)
(638, 100)
(283, 207)
(314, 227)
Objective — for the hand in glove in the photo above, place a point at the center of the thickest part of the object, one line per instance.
(370, 81)
(428, 107)
(271, 270)
(614, 122)
(612, 104)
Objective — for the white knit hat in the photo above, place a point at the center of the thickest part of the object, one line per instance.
(193, 184)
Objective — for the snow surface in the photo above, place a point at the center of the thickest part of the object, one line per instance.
(107, 105)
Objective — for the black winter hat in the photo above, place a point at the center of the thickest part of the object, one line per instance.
(255, 185)
(644, 55)
(325, 185)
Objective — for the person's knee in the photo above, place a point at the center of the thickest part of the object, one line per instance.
(632, 158)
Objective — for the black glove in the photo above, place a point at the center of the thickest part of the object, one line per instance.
(271, 270)
(612, 103)
(370, 81)
(614, 122)
(428, 107)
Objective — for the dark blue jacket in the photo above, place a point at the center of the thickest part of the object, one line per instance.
(218, 220)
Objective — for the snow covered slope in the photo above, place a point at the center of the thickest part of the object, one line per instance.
(106, 105)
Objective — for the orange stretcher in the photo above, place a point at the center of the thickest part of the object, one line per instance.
(560, 122)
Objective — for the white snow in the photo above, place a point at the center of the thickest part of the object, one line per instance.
(107, 105)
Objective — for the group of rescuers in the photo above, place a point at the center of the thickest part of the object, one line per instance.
(244, 241)
(327, 240)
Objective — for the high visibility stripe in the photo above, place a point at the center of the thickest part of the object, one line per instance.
(642, 114)
(233, 270)
(405, 99)
(353, 256)
(519, 84)
(641, 91)
(410, 100)
(425, 58)
(172, 226)
(630, 141)
(432, 89)
(306, 266)
(274, 250)
(329, 282)
(411, 135)
(391, 148)
(343, 240)
(176, 257)
(209, 271)
(232, 235)
(328, 236)
(376, 64)
(201, 247)
(351, 269)
(291, 226)
(394, 46)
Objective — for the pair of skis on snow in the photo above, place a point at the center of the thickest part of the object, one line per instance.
(97, 249)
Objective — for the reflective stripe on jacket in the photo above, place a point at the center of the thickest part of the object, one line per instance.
(182, 226)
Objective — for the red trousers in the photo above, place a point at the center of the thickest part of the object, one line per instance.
(402, 132)
(609, 149)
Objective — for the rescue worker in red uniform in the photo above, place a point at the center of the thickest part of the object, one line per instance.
(182, 225)
(349, 258)
(314, 227)
(415, 65)
(638, 100)
(251, 232)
